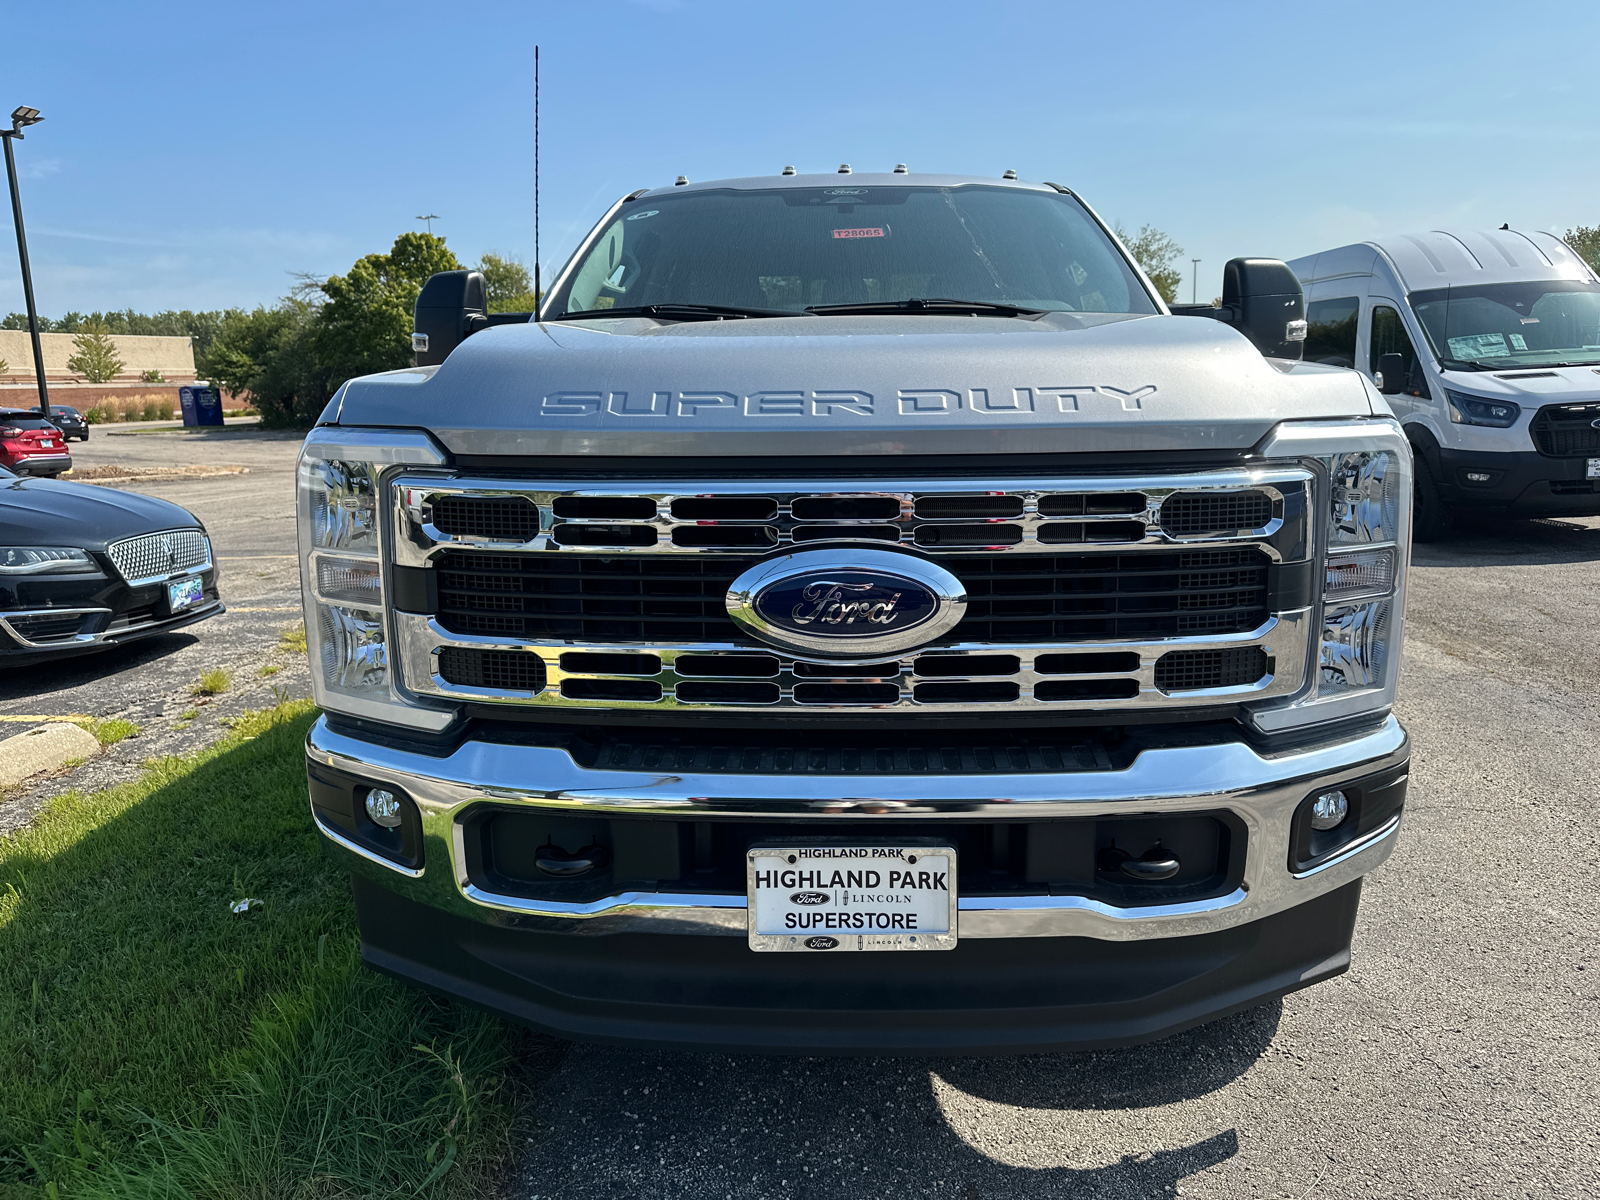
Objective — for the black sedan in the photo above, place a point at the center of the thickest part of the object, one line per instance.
(71, 422)
(85, 567)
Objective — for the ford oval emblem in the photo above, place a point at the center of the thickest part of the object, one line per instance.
(808, 899)
(821, 942)
(847, 601)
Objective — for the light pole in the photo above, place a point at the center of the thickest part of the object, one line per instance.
(430, 218)
(1194, 286)
(20, 120)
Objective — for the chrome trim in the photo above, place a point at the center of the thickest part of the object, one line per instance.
(212, 609)
(75, 639)
(339, 839)
(1263, 792)
(1387, 829)
(418, 540)
(948, 593)
(418, 640)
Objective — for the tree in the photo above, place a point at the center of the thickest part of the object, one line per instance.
(366, 324)
(267, 355)
(510, 285)
(1156, 253)
(96, 358)
(1585, 239)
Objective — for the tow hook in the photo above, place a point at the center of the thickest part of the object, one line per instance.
(1153, 865)
(553, 860)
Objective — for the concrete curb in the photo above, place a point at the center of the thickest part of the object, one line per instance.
(43, 749)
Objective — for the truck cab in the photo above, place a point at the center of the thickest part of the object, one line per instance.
(1487, 347)
(855, 615)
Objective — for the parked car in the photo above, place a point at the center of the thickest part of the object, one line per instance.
(85, 567)
(30, 445)
(1486, 346)
(71, 422)
(857, 616)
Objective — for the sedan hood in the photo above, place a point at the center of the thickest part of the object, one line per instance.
(50, 512)
(859, 385)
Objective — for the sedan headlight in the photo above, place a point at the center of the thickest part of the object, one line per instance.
(1481, 410)
(1367, 538)
(45, 560)
(339, 508)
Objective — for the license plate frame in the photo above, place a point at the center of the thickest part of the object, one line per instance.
(1594, 469)
(858, 912)
(185, 593)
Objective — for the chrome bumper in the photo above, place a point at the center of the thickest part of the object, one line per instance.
(1263, 792)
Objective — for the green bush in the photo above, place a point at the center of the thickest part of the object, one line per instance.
(156, 410)
(99, 416)
(152, 377)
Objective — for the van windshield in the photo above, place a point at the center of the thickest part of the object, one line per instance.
(1537, 324)
(786, 250)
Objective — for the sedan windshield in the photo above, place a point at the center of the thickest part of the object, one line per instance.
(994, 250)
(1541, 324)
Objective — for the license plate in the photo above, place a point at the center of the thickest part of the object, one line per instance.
(1594, 468)
(863, 897)
(184, 593)
(48, 445)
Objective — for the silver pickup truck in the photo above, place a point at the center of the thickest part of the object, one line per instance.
(855, 614)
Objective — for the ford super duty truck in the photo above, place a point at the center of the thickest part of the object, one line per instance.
(856, 614)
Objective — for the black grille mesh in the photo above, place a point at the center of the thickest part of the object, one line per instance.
(503, 518)
(1567, 430)
(44, 628)
(1010, 598)
(1191, 514)
(508, 670)
(1188, 670)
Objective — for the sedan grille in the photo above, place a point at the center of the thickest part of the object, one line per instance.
(155, 555)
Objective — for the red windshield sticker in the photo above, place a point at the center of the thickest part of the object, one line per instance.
(855, 233)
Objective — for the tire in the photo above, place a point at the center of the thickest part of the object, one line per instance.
(1431, 518)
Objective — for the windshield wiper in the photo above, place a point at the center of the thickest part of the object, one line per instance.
(1467, 364)
(679, 312)
(938, 306)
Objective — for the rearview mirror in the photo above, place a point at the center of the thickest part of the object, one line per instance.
(451, 305)
(1262, 299)
(1391, 377)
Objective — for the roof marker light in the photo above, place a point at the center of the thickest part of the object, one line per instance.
(682, 179)
(1009, 175)
(900, 168)
(844, 168)
(788, 170)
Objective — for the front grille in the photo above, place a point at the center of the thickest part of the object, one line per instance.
(158, 554)
(1191, 670)
(1010, 599)
(500, 518)
(505, 670)
(1198, 514)
(1567, 430)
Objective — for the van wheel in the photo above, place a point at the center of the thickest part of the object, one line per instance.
(1430, 517)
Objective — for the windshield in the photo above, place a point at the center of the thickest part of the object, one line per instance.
(788, 249)
(1513, 324)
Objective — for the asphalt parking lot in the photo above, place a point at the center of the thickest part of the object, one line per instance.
(1458, 1057)
(250, 517)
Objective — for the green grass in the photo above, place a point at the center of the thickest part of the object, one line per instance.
(212, 683)
(155, 1044)
(267, 671)
(109, 733)
(293, 639)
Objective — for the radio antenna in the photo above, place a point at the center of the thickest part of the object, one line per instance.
(536, 295)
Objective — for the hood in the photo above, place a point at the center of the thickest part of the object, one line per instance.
(853, 385)
(49, 512)
(1529, 386)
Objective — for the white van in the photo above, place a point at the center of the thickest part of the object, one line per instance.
(1487, 346)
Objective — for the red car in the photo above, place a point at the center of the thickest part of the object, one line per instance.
(30, 445)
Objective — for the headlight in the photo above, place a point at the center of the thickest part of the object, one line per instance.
(45, 560)
(1480, 410)
(339, 508)
(1367, 536)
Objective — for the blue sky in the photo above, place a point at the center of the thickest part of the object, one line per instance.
(196, 154)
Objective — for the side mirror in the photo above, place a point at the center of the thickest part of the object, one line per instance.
(1262, 299)
(451, 305)
(1391, 378)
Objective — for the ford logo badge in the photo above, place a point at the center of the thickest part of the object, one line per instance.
(808, 899)
(821, 942)
(847, 601)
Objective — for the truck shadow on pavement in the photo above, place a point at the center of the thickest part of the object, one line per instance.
(624, 1123)
(1500, 542)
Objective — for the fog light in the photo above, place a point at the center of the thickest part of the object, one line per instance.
(1327, 810)
(384, 808)
(1478, 476)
